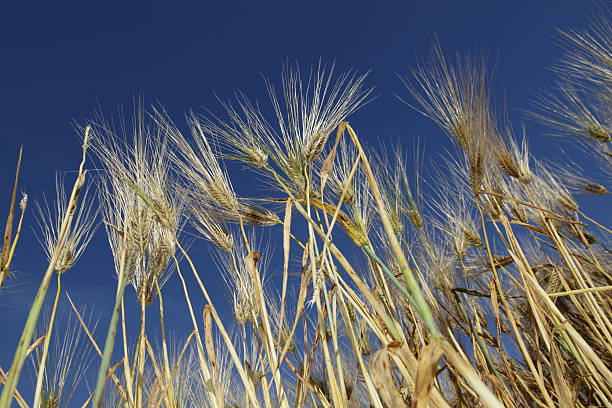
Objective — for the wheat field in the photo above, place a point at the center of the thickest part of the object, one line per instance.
(471, 280)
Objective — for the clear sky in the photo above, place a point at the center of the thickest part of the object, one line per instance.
(60, 60)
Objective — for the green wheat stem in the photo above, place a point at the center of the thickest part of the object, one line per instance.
(43, 359)
(28, 330)
(110, 338)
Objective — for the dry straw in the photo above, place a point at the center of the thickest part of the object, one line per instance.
(489, 291)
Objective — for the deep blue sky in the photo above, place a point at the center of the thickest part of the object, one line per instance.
(58, 61)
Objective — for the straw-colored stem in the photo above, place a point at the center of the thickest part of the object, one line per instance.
(270, 349)
(200, 347)
(363, 288)
(250, 389)
(578, 291)
(120, 389)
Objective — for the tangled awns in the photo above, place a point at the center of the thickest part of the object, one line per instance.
(474, 280)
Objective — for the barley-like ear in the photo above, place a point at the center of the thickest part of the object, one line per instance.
(569, 113)
(338, 180)
(81, 232)
(520, 168)
(580, 107)
(311, 111)
(307, 111)
(255, 215)
(209, 193)
(241, 134)
(141, 203)
(551, 192)
(70, 355)
(574, 178)
(454, 206)
(456, 97)
(403, 198)
(589, 52)
(239, 280)
(209, 224)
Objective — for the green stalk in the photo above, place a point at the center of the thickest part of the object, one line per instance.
(24, 342)
(28, 330)
(419, 300)
(477, 337)
(110, 337)
(43, 359)
(368, 250)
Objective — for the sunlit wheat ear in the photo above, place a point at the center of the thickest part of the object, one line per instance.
(23, 203)
(306, 112)
(403, 204)
(199, 165)
(225, 378)
(338, 179)
(242, 134)
(573, 177)
(570, 113)
(361, 212)
(514, 188)
(281, 325)
(210, 226)
(454, 207)
(521, 157)
(514, 160)
(493, 203)
(82, 229)
(255, 215)
(588, 55)
(388, 173)
(240, 281)
(455, 97)
(142, 206)
(313, 107)
(69, 357)
(158, 265)
(412, 184)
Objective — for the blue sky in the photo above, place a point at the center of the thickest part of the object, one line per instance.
(60, 61)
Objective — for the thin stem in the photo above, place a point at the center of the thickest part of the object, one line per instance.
(420, 304)
(28, 330)
(110, 336)
(43, 359)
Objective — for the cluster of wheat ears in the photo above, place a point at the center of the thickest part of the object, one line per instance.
(488, 288)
